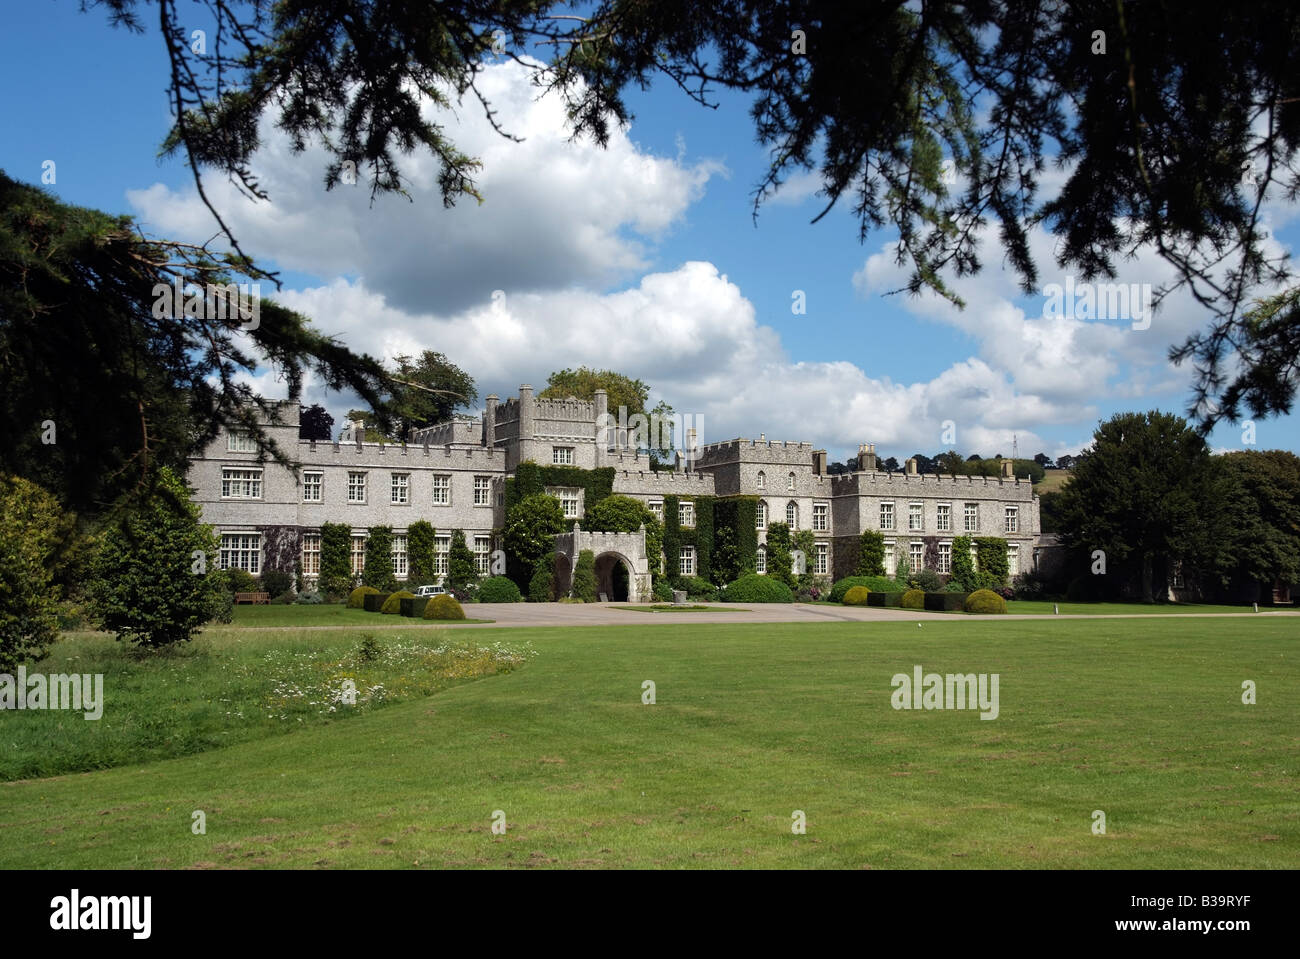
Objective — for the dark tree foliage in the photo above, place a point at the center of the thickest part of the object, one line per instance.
(1145, 493)
(1172, 119)
(421, 392)
(99, 389)
(315, 423)
(1263, 516)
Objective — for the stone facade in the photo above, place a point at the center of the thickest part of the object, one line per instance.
(453, 476)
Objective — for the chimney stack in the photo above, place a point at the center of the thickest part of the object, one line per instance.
(867, 457)
(911, 466)
(1008, 470)
(819, 462)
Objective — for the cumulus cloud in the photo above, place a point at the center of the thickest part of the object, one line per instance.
(555, 212)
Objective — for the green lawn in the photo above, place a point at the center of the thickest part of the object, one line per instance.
(1045, 607)
(1139, 718)
(334, 614)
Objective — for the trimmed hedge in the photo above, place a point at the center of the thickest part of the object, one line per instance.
(755, 588)
(357, 598)
(856, 596)
(945, 602)
(393, 604)
(414, 607)
(374, 602)
(499, 589)
(443, 606)
(884, 599)
(985, 601)
(913, 599)
(876, 584)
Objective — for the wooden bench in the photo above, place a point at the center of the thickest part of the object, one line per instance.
(258, 599)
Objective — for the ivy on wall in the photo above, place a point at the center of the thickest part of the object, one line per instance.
(871, 554)
(738, 515)
(420, 537)
(963, 570)
(672, 539)
(531, 478)
(930, 559)
(991, 554)
(281, 548)
(335, 557)
(701, 535)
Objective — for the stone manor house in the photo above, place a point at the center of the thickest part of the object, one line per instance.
(453, 476)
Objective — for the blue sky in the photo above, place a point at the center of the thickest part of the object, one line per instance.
(643, 258)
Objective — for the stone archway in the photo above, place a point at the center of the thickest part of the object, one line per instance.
(620, 559)
(614, 576)
(562, 577)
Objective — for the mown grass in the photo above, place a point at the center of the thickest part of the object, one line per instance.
(1046, 608)
(334, 614)
(1139, 718)
(229, 686)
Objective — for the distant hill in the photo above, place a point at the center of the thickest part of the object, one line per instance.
(1053, 481)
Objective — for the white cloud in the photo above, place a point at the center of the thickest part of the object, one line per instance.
(555, 212)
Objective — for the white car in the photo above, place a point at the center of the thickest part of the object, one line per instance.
(429, 591)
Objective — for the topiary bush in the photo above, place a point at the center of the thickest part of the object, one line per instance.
(985, 601)
(499, 589)
(856, 596)
(945, 601)
(414, 607)
(913, 599)
(393, 604)
(374, 602)
(541, 586)
(584, 577)
(443, 606)
(357, 598)
(755, 588)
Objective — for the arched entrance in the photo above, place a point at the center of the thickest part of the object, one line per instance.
(562, 578)
(613, 574)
